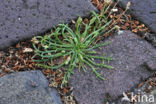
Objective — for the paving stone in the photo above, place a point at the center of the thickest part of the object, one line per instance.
(151, 38)
(131, 55)
(22, 19)
(143, 10)
(30, 87)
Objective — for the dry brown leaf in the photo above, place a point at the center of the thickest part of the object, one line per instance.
(141, 30)
(18, 45)
(124, 27)
(85, 20)
(135, 30)
(34, 40)
(8, 70)
(136, 22)
(140, 85)
(53, 73)
(48, 71)
(127, 24)
(1, 54)
(2, 74)
(96, 2)
(65, 90)
(100, 7)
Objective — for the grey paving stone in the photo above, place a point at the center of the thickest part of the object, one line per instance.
(132, 55)
(30, 87)
(143, 10)
(22, 19)
(151, 38)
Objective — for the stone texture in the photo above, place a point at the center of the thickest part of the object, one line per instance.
(132, 55)
(30, 87)
(151, 38)
(143, 10)
(22, 19)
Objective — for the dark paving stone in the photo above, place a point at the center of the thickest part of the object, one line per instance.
(132, 55)
(22, 19)
(143, 10)
(29, 87)
(151, 38)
